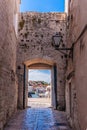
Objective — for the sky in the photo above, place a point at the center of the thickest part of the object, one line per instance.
(39, 75)
(42, 5)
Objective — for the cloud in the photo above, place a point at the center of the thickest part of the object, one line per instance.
(38, 75)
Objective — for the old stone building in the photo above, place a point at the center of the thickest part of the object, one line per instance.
(35, 50)
(76, 83)
(8, 41)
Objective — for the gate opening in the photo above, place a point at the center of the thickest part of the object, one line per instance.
(39, 88)
(41, 66)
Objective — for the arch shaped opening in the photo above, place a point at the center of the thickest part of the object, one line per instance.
(44, 61)
(42, 90)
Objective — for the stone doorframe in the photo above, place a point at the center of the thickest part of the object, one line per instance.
(40, 63)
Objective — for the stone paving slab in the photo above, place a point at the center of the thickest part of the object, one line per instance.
(39, 102)
(38, 119)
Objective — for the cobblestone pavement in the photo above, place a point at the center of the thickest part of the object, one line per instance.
(38, 119)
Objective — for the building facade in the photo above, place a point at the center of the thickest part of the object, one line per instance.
(76, 82)
(35, 48)
(8, 42)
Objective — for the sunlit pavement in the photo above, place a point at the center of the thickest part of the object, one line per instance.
(38, 119)
(39, 102)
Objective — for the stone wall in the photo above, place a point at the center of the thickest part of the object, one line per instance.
(77, 67)
(8, 40)
(35, 38)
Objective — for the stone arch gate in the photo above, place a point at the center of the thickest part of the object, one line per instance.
(35, 50)
(39, 63)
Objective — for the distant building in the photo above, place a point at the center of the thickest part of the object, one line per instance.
(30, 88)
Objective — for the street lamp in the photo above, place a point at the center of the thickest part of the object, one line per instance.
(57, 43)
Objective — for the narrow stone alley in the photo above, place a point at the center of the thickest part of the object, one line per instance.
(38, 119)
(49, 37)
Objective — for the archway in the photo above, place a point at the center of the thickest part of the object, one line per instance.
(40, 63)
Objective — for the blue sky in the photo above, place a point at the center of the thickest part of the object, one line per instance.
(40, 75)
(42, 5)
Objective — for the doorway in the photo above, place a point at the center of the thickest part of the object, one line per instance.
(40, 65)
(39, 88)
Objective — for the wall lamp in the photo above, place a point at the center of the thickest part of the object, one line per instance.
(57, 43)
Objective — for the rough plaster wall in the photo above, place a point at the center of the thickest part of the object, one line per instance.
(77, 21)
(77, 18)
(35, 38)
(8, 87)
(81, 79)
